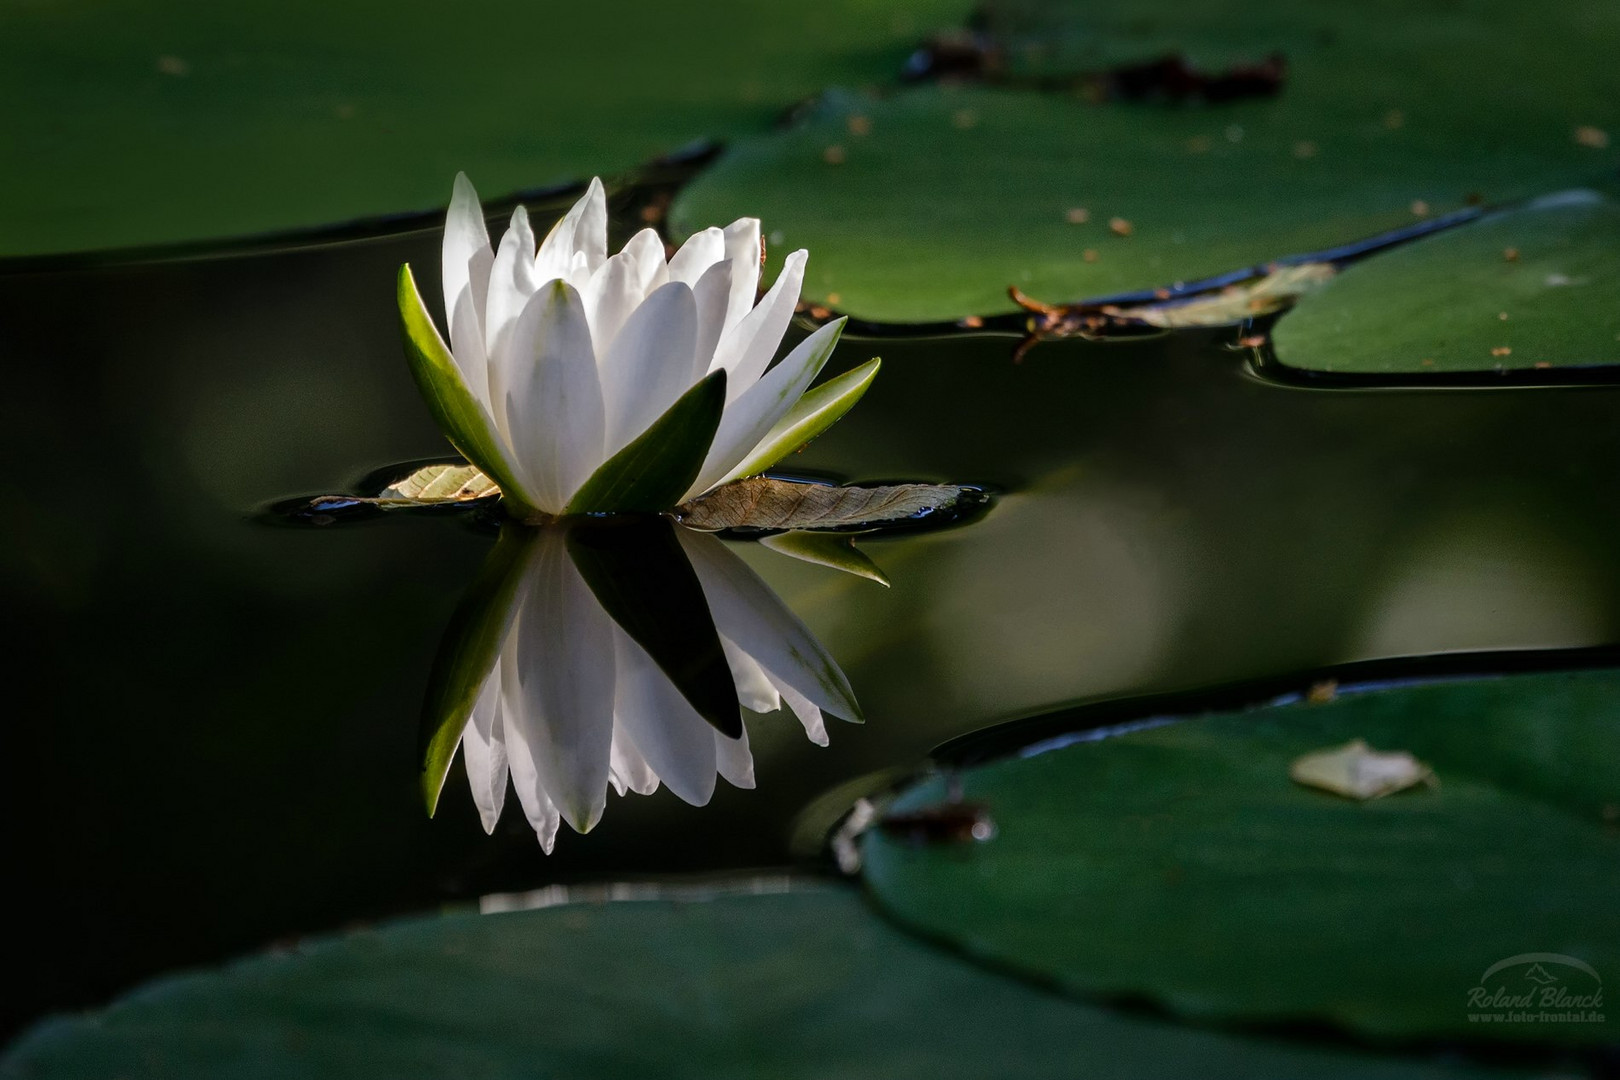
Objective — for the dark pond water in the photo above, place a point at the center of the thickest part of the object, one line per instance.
(213, 720)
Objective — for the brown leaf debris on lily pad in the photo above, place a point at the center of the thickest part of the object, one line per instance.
(1357, 771)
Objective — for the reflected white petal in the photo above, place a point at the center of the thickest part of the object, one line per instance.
(516, 729)
(627, 766)
(733, 760)
(806, 711)
(754, 688)
(483, 751)
(675, 741)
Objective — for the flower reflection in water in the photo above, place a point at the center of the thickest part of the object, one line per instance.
(616, 653)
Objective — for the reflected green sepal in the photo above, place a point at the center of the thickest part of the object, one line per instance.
(467, 653)
(463, 420)
(819, 409)
(834, 550)
(655, 469)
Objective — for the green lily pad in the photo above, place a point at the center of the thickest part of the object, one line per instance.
(928, 204)
(131, 125)
(1181, 864)
(1531, 288)
(804, 983)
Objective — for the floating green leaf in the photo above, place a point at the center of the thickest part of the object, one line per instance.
(1532, 288)
(655, 469)
(802, 983)
(1390, 115)
(199, 121)
(764, 502)
(1182, 865)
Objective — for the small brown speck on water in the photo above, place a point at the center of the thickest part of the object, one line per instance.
(1427, 361)
(1510, 254)
(1502, 315)
(833, 298)
(860, 125)
(1199, 144)
(970, 322)
(1543, 364)
(1322, 692)
(1420, 208)
(1594, 137)
(834, 155)
(1078, 215)
(1089, 255)
(1394, 119)
(1304, 149)
(1161, 294)
(1502, 350)
(964, 119)
(818, 312)
(1120, 227)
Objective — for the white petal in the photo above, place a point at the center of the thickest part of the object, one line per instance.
(521, 753)
(754, 688)
(733, 760)
(750, 417)
(712, 292)
(647, 248)
(649, 364)
(809, 716)
(555, 400)
(746, 349)
(746, 611)
(610, 296)
(583, 230)
(744, 251)
(511, 283)
(465, 236)
(627, 766)
(701, 251)
(483, 751)
(467, 348)
(563, 668)
(677, 743)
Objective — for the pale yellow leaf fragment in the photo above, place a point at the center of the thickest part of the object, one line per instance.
(1357, 771)
(762, 502)
(440, 483)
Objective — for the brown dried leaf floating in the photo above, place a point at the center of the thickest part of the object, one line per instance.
(765, 503)
(1357, 771)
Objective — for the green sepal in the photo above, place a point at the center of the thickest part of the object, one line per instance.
(655, 469)
(463, 420)
(819, 409)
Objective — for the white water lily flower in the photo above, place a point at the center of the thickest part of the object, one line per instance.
(571, 704)
(585, 383)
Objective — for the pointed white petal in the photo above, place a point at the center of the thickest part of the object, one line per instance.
(733, 760)
(610, 296)
(754, 688)
(677, 743)
(647, 248)
(465, 236)
(511, 283)
(749, 418)
(712, 292)
(744, 251)
(554, 403)
(701, 251)
(583, 230)
(649, 364)
(563, 666)
(483, 751)
(746, 349)
(629, 768)
(747, 612)
(806, 711)
(467, 347)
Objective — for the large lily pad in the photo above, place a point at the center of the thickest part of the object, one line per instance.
(928, 204)
(1181, 864)
(1533, 288)
(798, 984)
(133, 125)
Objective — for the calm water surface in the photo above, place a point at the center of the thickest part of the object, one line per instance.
(213, 721)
